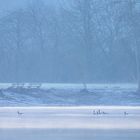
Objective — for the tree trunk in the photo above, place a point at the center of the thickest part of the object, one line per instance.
(87, 37)
(137, 55)
(135, 26)
(139, 87)
(138, 73)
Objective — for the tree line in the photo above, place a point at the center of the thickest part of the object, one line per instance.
(71, 41)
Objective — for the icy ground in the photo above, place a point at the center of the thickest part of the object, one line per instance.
(110, 117)
(68, 134)
(68, 95)
(70, 123)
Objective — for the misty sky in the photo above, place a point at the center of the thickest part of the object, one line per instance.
(69, 41)
(10, 5)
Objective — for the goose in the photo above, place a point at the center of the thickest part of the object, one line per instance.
(125, 113)
(94, 112)
(19, 113)
(99, 112)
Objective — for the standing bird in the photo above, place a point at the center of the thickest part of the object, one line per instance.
(125, 113)
(19, 113)
(94, 112)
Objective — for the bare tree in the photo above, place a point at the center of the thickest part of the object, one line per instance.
(133, 18)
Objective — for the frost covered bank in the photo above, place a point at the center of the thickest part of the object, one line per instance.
(68, 94)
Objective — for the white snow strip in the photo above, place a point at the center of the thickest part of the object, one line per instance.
(70, 117)
(74, 85)
(72, 107)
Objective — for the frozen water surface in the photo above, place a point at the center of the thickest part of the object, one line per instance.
(68, 134)
(71, 123)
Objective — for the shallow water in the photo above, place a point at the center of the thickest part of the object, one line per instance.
(68, 134)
